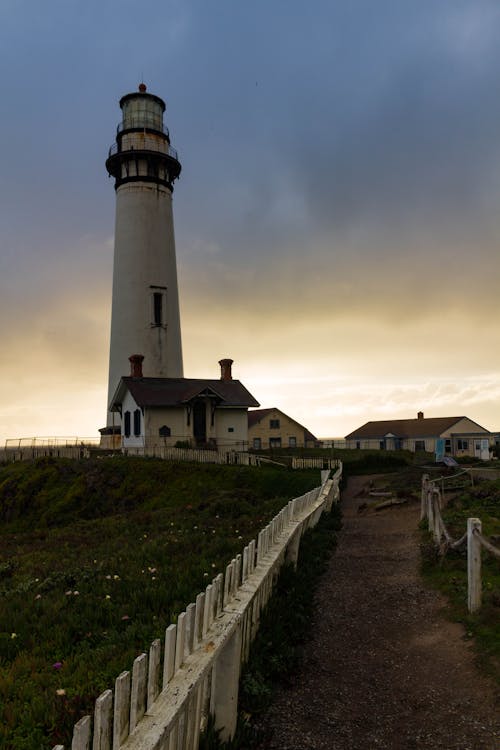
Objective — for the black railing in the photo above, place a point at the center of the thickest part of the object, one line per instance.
(148, 144)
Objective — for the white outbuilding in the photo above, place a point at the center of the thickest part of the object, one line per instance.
(187, 412)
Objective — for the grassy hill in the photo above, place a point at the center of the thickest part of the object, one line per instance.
(96, 559)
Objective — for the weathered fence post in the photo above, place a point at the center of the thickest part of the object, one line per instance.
(121, 714)
(153, 688)
(81, 734)
(474, 564)
(292, 550)
(169, 657)
(225, 686)
(436, 514)
(138, 692)
(423, 497)
(102, 721)
(430, 509)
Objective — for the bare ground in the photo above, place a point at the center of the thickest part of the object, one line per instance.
(384, 668)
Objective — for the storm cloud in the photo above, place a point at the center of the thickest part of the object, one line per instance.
(336, 217)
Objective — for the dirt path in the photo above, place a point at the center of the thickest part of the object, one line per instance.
(384, 669)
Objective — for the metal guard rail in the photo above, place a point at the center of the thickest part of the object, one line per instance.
(149, 144)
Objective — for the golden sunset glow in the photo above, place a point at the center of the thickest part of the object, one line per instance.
(337, 216)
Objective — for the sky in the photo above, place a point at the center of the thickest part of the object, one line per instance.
(337, 218)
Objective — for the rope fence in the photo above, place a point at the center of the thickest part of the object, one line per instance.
(431, 504)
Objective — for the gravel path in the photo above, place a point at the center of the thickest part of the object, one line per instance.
(384, 669)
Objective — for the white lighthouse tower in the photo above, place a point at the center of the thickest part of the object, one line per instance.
(145, 310)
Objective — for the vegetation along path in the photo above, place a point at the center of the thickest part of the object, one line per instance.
(384, 668)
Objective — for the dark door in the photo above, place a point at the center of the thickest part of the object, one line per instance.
(200, 422)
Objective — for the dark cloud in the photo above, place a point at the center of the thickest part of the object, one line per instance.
(341, 176)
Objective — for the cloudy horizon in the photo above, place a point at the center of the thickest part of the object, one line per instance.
(336, 218)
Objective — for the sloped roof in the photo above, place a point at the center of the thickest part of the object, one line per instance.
(407, 428)
(256, 415)
(157, 392)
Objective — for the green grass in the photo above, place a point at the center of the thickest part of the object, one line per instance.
(449, 574)
(96, 559)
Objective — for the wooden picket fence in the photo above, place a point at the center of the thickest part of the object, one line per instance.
(165, 702)
(198, 455)
(431, 504)
(30, 453)
(83, 450)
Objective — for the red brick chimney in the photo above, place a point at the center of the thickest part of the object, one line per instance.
(225, 369)
(136, 365)
(420, 415)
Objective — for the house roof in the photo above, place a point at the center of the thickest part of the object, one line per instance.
(256, 415)
(157, 392)
(407, 428)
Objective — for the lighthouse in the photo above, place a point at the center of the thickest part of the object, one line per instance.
(145, 315)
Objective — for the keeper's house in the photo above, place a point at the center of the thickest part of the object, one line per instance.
(272, 428)
(193, 412)
(452, 436)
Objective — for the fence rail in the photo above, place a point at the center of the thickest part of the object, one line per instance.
(79, 449)
(54, 451)
(165, 702)
(28, 449)
(431, 504)
(316, 462)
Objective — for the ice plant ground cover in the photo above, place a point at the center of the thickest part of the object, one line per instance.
(96, 559)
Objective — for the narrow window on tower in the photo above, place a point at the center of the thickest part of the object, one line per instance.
(157, 309)
(158, 306)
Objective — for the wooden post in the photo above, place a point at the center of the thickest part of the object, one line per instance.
(154, 672)
(423, 497)
(244, 567)
(207, 620)
(102, 721)
(436, 504)
(122, 710)
(227, 585)
(430, 509)
(138, 691)
(292, 550)
(190, 629)
(81, 734)
(225, 687)
(474, 564)
(251, 556)
(220, 594)
(180, 641)
(169, 658)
